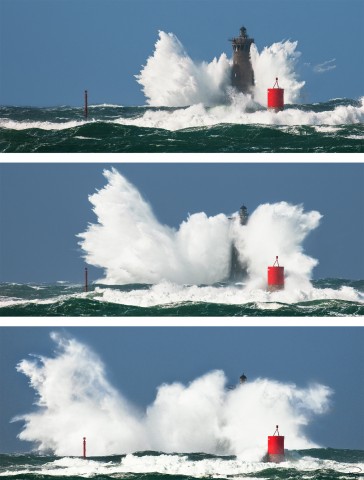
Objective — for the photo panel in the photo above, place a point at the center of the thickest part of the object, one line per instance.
(183, 76)
(182, 239)
(196, 402)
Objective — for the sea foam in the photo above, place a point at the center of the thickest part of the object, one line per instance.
(181, 465)
(243, 111)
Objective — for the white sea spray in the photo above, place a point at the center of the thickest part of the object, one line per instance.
(131, 245)
(74, 398)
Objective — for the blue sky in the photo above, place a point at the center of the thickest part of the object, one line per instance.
(44, 206)
(52, 50)
(330, 356)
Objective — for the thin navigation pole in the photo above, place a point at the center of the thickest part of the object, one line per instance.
(86, 280)
(86, 105)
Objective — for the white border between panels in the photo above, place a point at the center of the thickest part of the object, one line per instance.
(181, 158)
(350, 322)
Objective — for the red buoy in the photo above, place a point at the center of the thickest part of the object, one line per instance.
(276, 447)
(275, 277)
(275, 98)
(84, 447)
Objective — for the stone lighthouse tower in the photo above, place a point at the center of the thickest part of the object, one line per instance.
(242, 71)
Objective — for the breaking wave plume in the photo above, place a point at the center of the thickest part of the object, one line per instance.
(74, 399)
(278, 60)
(131, 245)
(281, 228)
(72, 390)
(171, 78)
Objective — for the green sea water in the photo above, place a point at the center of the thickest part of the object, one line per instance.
(313, 464)
(129, 300)
(333, 126)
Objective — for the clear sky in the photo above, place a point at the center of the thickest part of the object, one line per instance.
(44, 206)
(52, 50)
(330, 356)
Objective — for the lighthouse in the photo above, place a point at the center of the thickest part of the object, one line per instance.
(237, 269)
(242, 75)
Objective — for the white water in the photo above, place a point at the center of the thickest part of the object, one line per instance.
(75, 399)
(24, 125)
(180, 465)
(241, 111)
(131, 245)
(166, 294)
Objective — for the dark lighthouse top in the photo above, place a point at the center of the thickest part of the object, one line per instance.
(242, 76)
